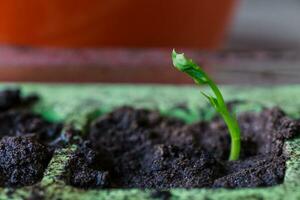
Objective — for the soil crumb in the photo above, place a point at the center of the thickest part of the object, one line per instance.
(22, 161)
(12, 98)
(24, 139)
(83, 172)
(18, 123)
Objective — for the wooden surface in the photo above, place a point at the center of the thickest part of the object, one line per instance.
(144, 66)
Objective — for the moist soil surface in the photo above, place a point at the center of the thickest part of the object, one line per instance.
(24, 149)
(137, 148)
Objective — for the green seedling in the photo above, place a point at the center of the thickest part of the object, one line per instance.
(217, 101)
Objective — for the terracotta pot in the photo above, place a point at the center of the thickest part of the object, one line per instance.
(99, 23)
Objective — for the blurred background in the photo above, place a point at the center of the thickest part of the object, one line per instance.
(265, 24)
(129, 41)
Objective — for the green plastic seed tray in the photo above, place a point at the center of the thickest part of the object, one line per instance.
(79, 104)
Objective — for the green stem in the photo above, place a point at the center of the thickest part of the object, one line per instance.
(231, 123)
(234, 132)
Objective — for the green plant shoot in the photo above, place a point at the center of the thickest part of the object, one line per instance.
(217, 101)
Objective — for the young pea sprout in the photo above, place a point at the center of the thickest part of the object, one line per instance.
(217, 101)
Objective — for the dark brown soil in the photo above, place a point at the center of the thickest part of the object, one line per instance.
(137, 148)
(22, 160)
(141, 149)
(11, 98)
(24, 153)
(18, 123)
(84, 173)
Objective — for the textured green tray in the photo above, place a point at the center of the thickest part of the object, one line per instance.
(78, 104)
